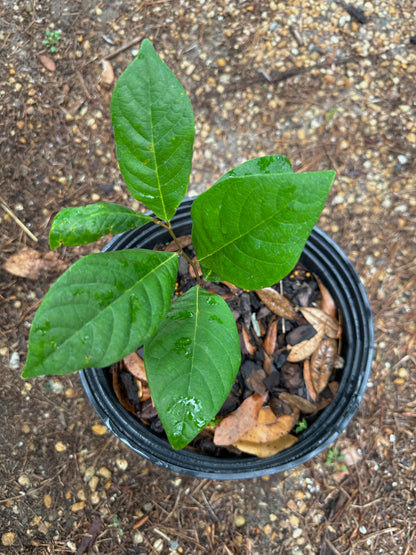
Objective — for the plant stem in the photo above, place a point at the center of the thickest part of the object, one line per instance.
(168, 227)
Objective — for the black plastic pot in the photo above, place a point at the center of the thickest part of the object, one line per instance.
(321, 256)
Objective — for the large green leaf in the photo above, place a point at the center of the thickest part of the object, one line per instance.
(251, 230)
(100, 310)
(154, 132)
(275, 163)
(84, 224)
(191, 363)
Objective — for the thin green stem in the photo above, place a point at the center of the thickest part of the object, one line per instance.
(168, 227)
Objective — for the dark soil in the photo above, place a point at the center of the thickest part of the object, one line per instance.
(68, 486)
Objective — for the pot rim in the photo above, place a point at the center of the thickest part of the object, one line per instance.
(343, 282)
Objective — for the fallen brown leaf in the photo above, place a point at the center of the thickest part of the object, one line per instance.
(263, 450)
(248, 346)
(233, 426)
(31, 264)
(317, 317)
(277, 303)
(270, 428)
(307, 377)
(298, 402)
(271, 338)
(47, 62)
(305, 348)
(135, 365)
(322, 364)
(327, 303)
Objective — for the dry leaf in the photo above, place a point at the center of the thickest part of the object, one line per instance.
(277, 303)
(271, 338)
(233, 426)
(300, 403)
(135, 365)
(305, 348)
(263, 450)
(317, 316)
(322, 364)
(268, 364)
(29, 263)
(47, 62)
(269, 427)
(307, 377)
(327, 304)
(248, 346)
(107, 75)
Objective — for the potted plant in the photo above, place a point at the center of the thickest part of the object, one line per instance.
(248, 229)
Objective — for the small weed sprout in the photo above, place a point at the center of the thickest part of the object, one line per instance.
(333, 459)
(301, 425)
(51, 39)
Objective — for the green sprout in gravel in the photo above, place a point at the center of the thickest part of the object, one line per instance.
(51, 39)
(333, 459)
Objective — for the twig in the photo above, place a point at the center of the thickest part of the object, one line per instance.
(122, 48)
(16, 219)
(90, 537)
(377, 533)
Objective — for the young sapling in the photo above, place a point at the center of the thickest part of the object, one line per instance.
(249, 229)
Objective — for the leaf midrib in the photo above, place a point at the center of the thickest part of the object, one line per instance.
(108, 307)
(237, 238)
(159, 185)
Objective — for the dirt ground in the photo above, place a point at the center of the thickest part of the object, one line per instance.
(68, 486)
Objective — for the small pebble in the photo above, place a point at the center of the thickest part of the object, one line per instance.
(99, 429)
(24, 480)
(122, 464)
(14, 362)
(8, 538)
(75, 507)
(104, 472)
(60, 447)
(297, 532)
(95, 498)
(138, 538)
(93, 483)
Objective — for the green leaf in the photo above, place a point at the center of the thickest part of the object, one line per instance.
(251, 230)
(262, 165)
(100, 310)
(154, 132)
(84, 224)
(191, 363)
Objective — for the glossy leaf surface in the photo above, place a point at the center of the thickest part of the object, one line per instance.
(251, 230)
(191, 363)
(100, 310)
(154, 132)
(85, 224)
(260, 166)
